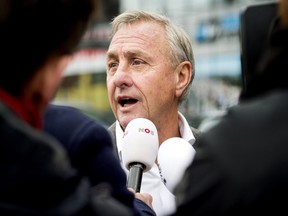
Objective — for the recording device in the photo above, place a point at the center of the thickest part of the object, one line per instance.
(139, 150)
(174, 156)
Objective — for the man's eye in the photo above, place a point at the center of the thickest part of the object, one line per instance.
(137, 62)
(112, 65)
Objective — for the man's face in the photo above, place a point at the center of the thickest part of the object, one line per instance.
(140, 78)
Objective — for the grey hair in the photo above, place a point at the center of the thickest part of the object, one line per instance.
(178, 40)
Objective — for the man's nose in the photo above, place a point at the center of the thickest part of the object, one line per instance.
(122, 77)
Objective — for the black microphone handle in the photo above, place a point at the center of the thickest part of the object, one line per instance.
(135, 176)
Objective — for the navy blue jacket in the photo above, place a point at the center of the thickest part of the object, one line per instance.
(90, 149)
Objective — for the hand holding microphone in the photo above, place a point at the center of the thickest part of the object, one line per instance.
(174, 156)
(139, 150)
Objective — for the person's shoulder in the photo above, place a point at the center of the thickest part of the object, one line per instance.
(57, 109)
(112, 130)
(69, 124)
(67, 115)
(196, 132)
(60, 115)
(112, 127)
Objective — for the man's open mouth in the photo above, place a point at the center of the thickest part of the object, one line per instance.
(126, 101)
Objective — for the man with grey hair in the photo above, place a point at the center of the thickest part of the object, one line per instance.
(150, 67)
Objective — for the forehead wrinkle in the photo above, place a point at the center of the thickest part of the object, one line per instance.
(130, 51)
(133, 53)
(137, 39)
(123, 40)
(126, 52)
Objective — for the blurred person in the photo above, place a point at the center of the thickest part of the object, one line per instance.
(241, 164)
(150, 67)
(90, 149)
(37, 39)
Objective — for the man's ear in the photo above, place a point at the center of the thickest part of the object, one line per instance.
(184, 76)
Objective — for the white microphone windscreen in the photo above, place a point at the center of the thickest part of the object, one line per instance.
(140, 143)
(174, 156)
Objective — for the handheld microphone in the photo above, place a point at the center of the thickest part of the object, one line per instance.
(174, 156)
(139, 150)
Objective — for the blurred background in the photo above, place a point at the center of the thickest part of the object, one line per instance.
(213, 26)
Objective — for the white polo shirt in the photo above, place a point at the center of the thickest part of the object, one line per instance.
(164, 202)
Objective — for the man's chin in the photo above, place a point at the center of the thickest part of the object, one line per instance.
(124, 121)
